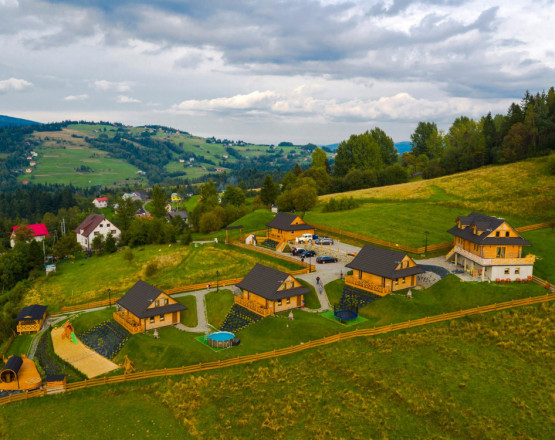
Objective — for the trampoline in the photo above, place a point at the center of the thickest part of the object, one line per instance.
(346, 311)
(221, 339)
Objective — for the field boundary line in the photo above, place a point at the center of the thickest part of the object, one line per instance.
(247, 359)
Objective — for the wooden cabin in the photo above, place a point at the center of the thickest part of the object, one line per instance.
(145, 307)
(31, 319)
(56, 383)
(382, 271)
(19, 374)
(266, 291)
(488, 248)
(287, 227)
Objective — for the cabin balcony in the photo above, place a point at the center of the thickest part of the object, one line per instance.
(131, 325)
(275, 237)
(28, 326)
(253, 306)
(353, 281)
(485, 262)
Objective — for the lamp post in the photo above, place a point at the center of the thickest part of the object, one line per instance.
(217, 281)
(426, 247)
(109, 298)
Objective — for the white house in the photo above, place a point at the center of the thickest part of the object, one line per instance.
(92, 226)
(101, 202)
(131, 196)
(39, 232)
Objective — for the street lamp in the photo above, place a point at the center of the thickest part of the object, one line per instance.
(109, 298)
(426, 247)
(217, 281)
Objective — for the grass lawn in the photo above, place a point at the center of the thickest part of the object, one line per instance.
(523, 193)
(177, 266)
(20, 345)
(189, 316)
(311, 301)
(479, 377)
(217, 306)
(543, 247)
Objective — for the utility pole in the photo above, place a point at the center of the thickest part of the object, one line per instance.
(63, 225)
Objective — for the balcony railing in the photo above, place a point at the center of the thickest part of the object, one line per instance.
(351, 280)
(253, 306)
(528, 259)
(132, 327)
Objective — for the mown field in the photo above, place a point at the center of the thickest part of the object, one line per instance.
(543, 247)
(87, 280)
(487, 376)
(523, 193)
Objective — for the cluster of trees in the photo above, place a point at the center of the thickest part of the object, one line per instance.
(527, 130)
(340, 204)
(212, 213)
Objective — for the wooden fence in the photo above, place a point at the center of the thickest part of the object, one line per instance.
(414, 250)
(205, 366)
(277, 255)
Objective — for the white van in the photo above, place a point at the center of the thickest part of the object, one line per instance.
(305, 238)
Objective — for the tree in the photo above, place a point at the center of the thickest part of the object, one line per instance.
(269, 191)
(158, 203)
(297, 169)
(110, 244)
(35, 255)
(289, 181)
(67, 245)
(125, 213)
(358, 152)
(233, 195)
(387, 146)
(23, 233)
(209, 194)
(98, 243)
(419, 139)
(320, 159)
(304, 198)
(210, 222)
(320, 177)
(516, 143)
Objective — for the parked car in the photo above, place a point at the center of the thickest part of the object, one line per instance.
(305, 238)
(326, 259)
(307, 254)
(323, 240)
(297, 251)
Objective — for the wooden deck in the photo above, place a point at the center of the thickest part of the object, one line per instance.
(351, 280)
(89, 362)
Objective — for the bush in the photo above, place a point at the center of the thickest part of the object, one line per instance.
(151, 268)
(128, 255)
(210, 222)
(341, 204)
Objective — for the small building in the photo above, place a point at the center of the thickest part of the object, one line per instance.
(176, 198)
(181, 160)
(267, 291)
(142, 195)
(141, 213)
(287, 227)
(19, 374)
(28, 170)
(101, 202)
(145, 307)
(488, 248)
(31, 319)
(131, 196)
(39, 232)
(93, 225)
(382, 271)
(32, 163)
(182, 214)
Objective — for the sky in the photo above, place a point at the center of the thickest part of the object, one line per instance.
(271, 71)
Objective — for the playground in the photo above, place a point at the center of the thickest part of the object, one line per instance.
(73, 351)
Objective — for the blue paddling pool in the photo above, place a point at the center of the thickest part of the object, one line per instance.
(221, 339)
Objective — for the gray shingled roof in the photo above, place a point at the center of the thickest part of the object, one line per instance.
(382, 262)
(283, 221)
(182, 214)
(140, 296)
(35, 311)
(89, 224)
(487, 224)
(265, 282)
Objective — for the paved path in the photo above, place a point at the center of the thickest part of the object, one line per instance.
(202, 322)
(50, 321)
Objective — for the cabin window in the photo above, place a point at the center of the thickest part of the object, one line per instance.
(166, 302)
(500, 252)
(517, 271)
(288, 301)
(292, 284)
(507, 234)
(396, 281)
(162, 317)
(152, 319)
(96, 233)
(156, 303)
(403, 280)
(279, 302)
(507, 271)
(101, 225)
(497, 233)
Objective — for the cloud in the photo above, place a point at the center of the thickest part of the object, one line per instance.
(76, 97)
(121, 86)
(251, 101)
(122, 99)
(15, 84)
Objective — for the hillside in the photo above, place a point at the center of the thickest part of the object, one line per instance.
(521, 192)
(435, 382)
(8, 121)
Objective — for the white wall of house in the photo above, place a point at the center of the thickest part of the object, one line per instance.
(103, 228)
(103, 204)
(36, 238)
(500, 272)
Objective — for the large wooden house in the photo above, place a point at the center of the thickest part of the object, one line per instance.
(488, 248)
(266, 291)
(382, 271)
(285, 227)
(145, 307)
(30, 319)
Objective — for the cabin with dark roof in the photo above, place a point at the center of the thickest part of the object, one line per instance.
(145, 307)
(266, 291)
(488, 248)
(30, 319)
(286, 227)
(382, 271)
(19, 374)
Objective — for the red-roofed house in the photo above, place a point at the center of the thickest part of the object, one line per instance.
(39, 232)
(101, 202)
(92, 226)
